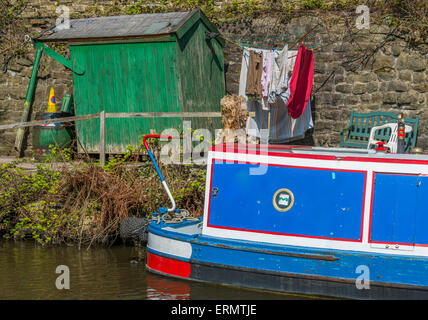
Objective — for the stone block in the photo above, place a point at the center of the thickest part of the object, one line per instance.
(18, 93)
(365, 77)
(352, 100)
(405, 75)
(366, 98)
(337, 99)
(421, 100)
(16, 81)
(326, 87)
(342, 47)
(410, 97)
(418, 77)
(372, 87)
(359, 88)
(26, 72)
(401, 63)
(382, 61)
(386, 76)
(397, 85)
(416, 63)
(377, 97)
(374, 107)
(24, 62)
(338, 78)
(396, 50)
(3, 77)
(332, 114)
(322, 98)
(323, 67)
(344, 88)
(15, 67)
(326, 125)
(61, 75)
(390, 97)
(44, 72)
(422, 88)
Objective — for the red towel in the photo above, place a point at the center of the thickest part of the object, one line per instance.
(301, 82)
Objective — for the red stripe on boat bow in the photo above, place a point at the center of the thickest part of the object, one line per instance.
(168, 266)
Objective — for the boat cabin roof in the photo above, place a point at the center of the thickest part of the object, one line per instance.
(326, 153)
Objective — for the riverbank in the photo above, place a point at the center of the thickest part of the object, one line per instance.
(80, 202)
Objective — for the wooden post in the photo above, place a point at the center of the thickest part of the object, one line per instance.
(102, 137)
(27, 104)
(56, 56)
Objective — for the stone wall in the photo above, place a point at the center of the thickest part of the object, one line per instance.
(362, 70)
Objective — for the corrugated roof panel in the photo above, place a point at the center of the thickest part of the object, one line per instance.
(120, 26)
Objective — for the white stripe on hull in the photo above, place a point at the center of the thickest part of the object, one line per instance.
(169, 246)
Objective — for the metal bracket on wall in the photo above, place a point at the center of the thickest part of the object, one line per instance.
(55, 55)
(210, 35)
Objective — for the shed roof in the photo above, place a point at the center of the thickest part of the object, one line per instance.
(127, 26)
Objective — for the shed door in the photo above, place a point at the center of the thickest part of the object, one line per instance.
(125, 78)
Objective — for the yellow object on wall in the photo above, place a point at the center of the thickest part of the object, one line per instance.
(51, 102)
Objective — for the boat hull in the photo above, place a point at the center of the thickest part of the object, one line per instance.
(290, 270)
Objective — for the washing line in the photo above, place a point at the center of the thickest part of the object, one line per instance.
(243, 45)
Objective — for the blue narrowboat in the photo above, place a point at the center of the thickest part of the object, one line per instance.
(320, 221)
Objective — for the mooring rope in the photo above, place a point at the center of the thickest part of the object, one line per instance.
(174, 217)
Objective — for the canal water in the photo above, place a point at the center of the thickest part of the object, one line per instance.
(28, 271)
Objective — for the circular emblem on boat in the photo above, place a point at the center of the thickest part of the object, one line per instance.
(283, 200)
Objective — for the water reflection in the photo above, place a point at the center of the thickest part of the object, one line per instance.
(27, 271)
(165, 289)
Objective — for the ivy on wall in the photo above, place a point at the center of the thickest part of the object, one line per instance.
(408, 18)
(12, 29)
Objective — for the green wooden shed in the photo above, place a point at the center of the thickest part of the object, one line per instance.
(142, 63)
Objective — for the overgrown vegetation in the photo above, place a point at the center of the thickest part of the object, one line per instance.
(12, 29)
(410, 17)
(84, 203)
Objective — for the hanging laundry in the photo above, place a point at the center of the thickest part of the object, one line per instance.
(245, 61)
(254, 75)
(283, 128)
(245, 65)
(301, 82)
(260, 120)
(266, 77)
(279, 74)
(266, 71)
